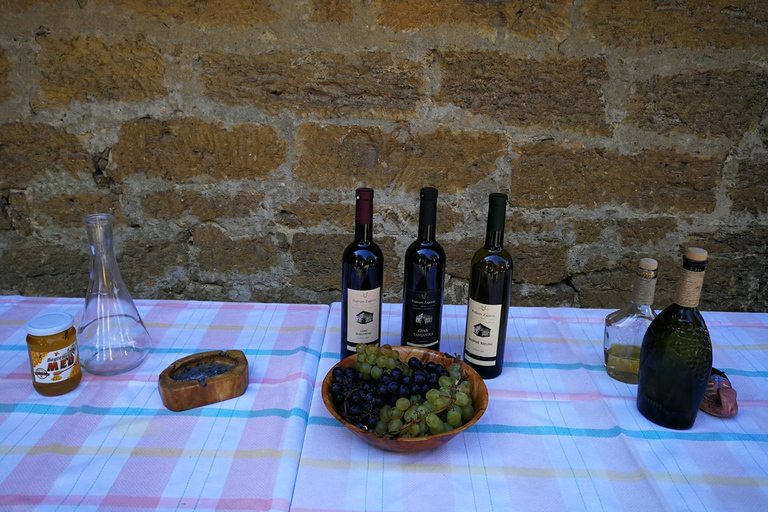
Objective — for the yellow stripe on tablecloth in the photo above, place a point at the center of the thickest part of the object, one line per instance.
(170, 453)
(638, 475)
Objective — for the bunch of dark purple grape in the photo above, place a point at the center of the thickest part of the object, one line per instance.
(393, 398)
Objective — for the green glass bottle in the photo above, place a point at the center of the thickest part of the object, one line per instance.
(490, 282)
(676, 354)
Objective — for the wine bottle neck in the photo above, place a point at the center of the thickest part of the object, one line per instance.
(494, 240)
(688, 291)
(690, 282)
(364, 216)
(497, 209)
(645, 287)
(427, 233)
(363, 234)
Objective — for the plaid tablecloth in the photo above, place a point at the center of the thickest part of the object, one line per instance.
(559, 433)
(112, 445)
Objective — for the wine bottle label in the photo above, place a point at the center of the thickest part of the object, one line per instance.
(482, 336)
(688, 291)
(363, 317)
(55, 366)
(422, 317)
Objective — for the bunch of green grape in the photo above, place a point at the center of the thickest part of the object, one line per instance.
(395, 398)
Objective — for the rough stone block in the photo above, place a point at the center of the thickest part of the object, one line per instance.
(539, 264)
(188, 149)
(636, 232)
(559, 175)
(29, 150)
(332, 157)
(749, 189)
(319, 268)
(6, 92)
(221, 13)
(69, 210)
(364, 84)
(157, 267)
(555, 92)
(205, 206)
(38, 267)
(84, 68)
(221, 254)
(528, 19)
(677, 23)
(707, 104)
(331, 11)
(307, 214)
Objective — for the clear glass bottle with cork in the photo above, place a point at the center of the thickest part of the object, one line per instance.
(625, 328)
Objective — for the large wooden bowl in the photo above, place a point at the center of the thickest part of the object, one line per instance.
(413, 444)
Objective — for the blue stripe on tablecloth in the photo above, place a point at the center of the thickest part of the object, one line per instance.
(195, 350)
(591, 432)
(48, 410)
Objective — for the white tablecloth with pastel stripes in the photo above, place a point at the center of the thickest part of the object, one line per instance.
(559, 433)
(111, 445)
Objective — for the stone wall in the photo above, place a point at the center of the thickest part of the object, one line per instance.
(227, 139)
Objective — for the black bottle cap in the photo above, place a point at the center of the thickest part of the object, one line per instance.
(497, 209)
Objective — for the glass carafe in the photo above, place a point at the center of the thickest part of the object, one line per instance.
(111, 336)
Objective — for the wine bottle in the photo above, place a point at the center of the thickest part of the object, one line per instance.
(489, 286)
(676, 354)
(625, 328)
(424, 280)
(361, 281)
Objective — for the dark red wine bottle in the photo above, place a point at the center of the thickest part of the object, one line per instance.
(424, 280)
(362, 272)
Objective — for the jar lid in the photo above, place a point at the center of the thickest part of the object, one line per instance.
(49, 323)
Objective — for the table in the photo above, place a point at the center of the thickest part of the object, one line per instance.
(112, 445)
(559, 434)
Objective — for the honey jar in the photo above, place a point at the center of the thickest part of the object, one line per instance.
(53, 354)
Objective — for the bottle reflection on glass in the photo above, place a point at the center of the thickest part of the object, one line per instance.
(676, 354)
(490, 283)
(625, 328)
(362, 271)
(423, 281)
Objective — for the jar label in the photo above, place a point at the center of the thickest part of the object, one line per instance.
(482, 335)
(56, 366)
(363, 316)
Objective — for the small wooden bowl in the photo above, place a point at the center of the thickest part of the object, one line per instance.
(412, 444)
(203, 379)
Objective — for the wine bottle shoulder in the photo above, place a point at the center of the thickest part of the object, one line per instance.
(420, 249)
(499, 258)
(362, 250)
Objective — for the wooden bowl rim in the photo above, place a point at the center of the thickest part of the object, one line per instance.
(408, 442)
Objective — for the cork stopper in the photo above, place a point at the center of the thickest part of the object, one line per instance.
(645, 281)
(696, 254)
